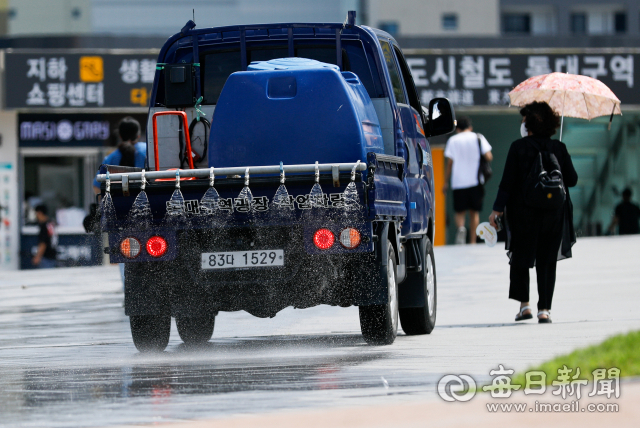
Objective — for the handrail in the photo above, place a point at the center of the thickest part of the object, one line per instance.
(185, 129)
(238, 170)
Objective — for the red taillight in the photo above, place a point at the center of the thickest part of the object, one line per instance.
(157, 246)
(350, 238)
(130, 248)
(323, 239)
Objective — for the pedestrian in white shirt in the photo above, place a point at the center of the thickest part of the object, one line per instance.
(463, 152)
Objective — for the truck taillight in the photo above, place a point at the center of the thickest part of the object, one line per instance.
(130, 247)
(350, 238)
(157, 246)
(323, 239)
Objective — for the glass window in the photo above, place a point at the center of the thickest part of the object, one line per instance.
(267, 54)
(578, 23)
(57, 182)
(449, 21)
(620, 22)
(516, 23)
(398, 91)
(216, 69)
(218, 65)
(408, 82)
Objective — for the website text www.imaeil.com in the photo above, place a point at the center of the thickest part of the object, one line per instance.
(568, 385)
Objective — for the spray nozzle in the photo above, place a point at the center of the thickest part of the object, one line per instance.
(353, 171)
(177, 178)
(108, 182)
(281, 173)
(212, 177)
(246, 177)
(317, 173)
(143, 183)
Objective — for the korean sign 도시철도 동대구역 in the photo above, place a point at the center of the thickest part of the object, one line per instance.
(486, 78)
(61, 80)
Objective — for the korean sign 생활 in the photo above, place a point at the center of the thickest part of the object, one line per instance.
(485, 79)
(61, 80)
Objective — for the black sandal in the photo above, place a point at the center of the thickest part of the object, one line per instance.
(544, 320)
(521, 316)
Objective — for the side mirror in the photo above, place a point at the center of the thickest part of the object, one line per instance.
(442, 118)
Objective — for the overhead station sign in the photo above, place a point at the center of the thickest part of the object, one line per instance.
(61, 80)
(485, 77)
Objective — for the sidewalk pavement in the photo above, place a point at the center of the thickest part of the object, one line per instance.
(596, 296)
(447, 415)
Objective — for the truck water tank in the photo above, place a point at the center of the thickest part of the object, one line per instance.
(293, 110)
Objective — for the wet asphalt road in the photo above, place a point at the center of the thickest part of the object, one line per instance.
(66, 356)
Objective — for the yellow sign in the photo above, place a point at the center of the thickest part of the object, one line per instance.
(139, 96)
(91, 69)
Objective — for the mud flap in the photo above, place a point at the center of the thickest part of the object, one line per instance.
(158, 288)
(369, 276)
(411, 293)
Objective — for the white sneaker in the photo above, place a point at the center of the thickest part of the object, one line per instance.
(461, 236)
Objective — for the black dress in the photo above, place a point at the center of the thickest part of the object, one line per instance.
(535, 237)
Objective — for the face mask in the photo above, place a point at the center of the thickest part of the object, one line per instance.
(523, 130)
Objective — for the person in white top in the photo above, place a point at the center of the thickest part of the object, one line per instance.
(463, 153)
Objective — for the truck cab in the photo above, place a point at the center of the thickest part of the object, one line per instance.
(327, 114)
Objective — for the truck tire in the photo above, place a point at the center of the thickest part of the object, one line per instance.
(195, 330)
(422, 320)
(379, 323)
(150, 332)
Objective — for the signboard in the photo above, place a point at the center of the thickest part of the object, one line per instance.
(65, 80)
(72, 250)
(71, 130)
(9, 205)
(485, 78)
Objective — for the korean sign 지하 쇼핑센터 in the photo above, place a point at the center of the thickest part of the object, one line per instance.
(61, 80)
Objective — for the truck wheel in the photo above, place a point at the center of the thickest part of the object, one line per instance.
(195, 330)
(379, 323)
(150, 333)
(423, 320)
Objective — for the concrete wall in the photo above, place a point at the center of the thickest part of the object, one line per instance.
(424, 18)
(166, 17)
(563, 9)
(160, 17)
(49, 17)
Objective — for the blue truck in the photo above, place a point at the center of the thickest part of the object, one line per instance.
(288, 165)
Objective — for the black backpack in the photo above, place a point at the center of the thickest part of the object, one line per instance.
(544, 188)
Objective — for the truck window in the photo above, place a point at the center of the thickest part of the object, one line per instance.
(218, 65)
(216, 68)
(398, 91)
(408, 82)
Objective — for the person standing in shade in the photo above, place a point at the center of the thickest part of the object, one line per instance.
(536, 237)
(627, 215)
(45, 256)
(130, 151)
(463, 152)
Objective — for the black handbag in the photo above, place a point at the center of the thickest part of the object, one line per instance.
(485, 165)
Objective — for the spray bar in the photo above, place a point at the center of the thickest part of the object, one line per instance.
(239, 170)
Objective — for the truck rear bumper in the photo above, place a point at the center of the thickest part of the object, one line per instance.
(164, 288)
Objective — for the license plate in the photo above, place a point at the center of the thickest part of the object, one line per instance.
(243, 259)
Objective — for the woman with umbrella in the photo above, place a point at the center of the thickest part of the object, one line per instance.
(541, 237)
(536, 237)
